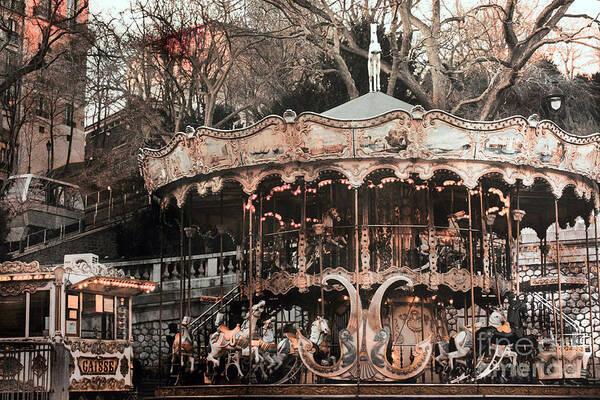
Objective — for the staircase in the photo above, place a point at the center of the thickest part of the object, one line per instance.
(211, 312)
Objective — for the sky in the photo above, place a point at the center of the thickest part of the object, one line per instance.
(586, 60)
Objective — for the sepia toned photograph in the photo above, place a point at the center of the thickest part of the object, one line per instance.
(299, 199)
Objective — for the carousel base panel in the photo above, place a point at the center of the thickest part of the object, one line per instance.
(378, 390)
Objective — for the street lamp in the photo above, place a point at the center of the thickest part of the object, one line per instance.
(555, 98)
(48, 148)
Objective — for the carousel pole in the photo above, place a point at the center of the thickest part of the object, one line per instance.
(220, 231)
(357, 277)
(589, 280)
(509, 247)
(189, 232)
(472, 276)
(560, 309)
(597, 265)
(250, 287)
(181, 277)
(160, 294)
(518, 219)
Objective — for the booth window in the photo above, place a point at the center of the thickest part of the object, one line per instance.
(12, 309)
(72, 326)
(97, 317)
(39, 313)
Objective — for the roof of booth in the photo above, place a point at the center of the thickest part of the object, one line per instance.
(367, 106)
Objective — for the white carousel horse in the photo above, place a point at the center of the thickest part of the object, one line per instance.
(183, 345)
(233, 342)
(267, 348)
(319, 330)
(374, 64)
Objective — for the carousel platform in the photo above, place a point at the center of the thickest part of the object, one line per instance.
(311, 391)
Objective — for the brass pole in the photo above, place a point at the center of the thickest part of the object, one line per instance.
(472, 276)
(250, 288)
(220, 231)
(517, 265)
(357, 275)
(482, 227)
(160, 298)
(589, 280)
(560, 310)
(597, 265)
(189, 276)
(509, 261)
(181, 280)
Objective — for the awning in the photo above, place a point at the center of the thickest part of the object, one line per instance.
(114, 285)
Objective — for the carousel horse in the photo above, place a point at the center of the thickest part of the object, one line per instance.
(462, 342)
(319, 330)
(233, 342)
(267, 348)
(512, 332)
(183, 345)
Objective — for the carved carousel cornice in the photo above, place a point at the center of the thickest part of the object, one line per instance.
(356, 171)
(457, 279)
(516, 147)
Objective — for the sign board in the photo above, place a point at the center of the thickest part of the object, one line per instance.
(98, 365)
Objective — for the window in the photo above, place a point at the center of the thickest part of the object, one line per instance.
(69, 111)
(11, 31)
(42, 107)
(12, 309)
(42, 129)
(39, 313)
(97, 317)
(72, 314)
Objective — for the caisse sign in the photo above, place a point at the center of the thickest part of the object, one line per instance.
(97, 365)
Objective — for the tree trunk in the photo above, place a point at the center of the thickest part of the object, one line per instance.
(344, 73)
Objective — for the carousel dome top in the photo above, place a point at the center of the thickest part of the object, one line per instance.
(367, 106)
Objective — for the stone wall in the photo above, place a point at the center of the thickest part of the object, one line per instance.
(146, 341)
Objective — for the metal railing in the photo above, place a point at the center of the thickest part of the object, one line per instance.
(26, 370)
(209, 314)
(383, 246)
(101, 208)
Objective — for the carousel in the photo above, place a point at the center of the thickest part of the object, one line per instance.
(378, 247)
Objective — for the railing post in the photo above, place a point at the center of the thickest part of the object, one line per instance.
(60, 373)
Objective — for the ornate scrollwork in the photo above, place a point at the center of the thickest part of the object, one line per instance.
(9, 367)
(39, 365)
(18, 267)
(365, 325)
(16, 288)
(98, 383)
(96, 347)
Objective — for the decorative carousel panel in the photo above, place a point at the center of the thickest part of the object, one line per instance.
(391, 138)
(317, 142)
(272, 144)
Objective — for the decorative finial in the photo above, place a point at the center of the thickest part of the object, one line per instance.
(374, 63)
(289, 116)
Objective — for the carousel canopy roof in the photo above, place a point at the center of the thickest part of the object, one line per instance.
(367, 106)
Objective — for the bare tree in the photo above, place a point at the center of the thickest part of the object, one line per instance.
(437, 46)
(34, 41)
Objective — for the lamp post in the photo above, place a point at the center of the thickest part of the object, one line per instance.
(554, 104)
(48, 148)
